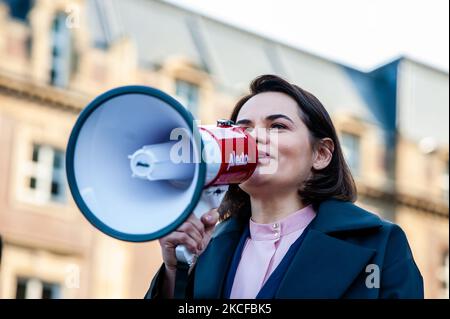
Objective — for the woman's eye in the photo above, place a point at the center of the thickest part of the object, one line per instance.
(247, 128)
(277, 126)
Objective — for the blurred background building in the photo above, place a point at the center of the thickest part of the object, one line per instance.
(56, 55)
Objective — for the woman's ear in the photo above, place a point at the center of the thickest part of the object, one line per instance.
(323, 153)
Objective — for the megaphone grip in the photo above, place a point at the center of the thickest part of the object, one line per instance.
(184, 255)
(211, 198)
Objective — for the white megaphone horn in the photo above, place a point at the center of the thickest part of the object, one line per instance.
(138, 164)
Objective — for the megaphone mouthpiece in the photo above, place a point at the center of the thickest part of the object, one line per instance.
(153, 162)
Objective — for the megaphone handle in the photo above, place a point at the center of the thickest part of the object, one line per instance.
(211, 198)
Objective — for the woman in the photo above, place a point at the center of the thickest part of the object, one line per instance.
(295, 233)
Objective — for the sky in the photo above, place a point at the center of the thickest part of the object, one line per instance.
(359, 33)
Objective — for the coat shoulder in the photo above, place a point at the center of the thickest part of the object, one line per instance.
(345, 219)
(342, 216)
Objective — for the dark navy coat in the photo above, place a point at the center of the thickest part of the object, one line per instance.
(342, 254)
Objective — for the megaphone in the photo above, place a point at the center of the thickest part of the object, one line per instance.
(138, 164)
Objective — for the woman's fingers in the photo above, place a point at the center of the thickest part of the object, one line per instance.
(191, 231)
(197, 224)
(210, 220)
(181, 238)
(194, 234)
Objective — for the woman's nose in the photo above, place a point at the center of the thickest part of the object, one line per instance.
(260, 134)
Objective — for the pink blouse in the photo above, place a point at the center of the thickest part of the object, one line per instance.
(264, 250)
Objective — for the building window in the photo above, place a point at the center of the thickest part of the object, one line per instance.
(33, 288)
(443, 275)
(62, 52)
(445, 182)
(351, 148)
(46, 174)
(187, 94)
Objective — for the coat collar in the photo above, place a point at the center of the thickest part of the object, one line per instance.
(333, 216)
(324, 265)
(336, 216)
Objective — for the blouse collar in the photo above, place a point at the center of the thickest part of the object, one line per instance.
(293, 222)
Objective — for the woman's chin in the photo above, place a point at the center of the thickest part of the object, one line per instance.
(256, 180)
(262, 176)
(264, 161)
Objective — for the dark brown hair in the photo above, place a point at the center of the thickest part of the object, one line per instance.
(334, 181)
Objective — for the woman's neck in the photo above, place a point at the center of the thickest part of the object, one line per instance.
(269, 209)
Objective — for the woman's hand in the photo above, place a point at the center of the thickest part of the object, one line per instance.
(193, 233)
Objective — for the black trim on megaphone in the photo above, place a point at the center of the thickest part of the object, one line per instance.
(97, 102)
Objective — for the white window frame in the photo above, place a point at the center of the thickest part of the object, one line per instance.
(354, 170)
(443, 276)
(61, 40)
(34, 288)
(445, 182)
(45, 174)
(186, 86)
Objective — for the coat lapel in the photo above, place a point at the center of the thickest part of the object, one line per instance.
(212, 266)
(325, 266)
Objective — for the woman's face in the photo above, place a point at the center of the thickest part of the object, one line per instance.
(285, 152)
